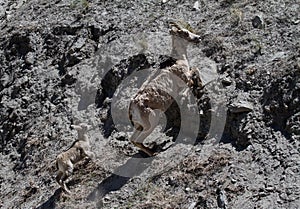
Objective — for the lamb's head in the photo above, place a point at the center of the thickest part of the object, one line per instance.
(184, 31)
(81, 128)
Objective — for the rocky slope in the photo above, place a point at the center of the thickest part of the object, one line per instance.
(70, 61)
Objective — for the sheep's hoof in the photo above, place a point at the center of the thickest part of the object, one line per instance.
(155, 153)
(66, 191)
(149, 152)
(146, 150)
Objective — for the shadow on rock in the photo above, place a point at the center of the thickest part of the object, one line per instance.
(133, 167)
(51, 202)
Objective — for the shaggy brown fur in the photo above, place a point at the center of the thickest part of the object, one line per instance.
(157, 94)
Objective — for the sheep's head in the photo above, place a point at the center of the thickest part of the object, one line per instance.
(81, 127)
(184, 31)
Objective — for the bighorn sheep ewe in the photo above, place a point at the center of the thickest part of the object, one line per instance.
(79, 150)
(156, 95)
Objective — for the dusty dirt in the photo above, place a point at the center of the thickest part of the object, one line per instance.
(64, 62)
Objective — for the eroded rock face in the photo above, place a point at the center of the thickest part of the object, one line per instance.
(281, 103)
(62, 62)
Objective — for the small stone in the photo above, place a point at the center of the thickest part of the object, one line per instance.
(221, 199)
(270, 189)
(262, 194)
(283, 196)
(201, 112)
(198, 149)
(192, 205)
(196, 6)
(226, 81)
(8, 15)
(279, 56)
(251, 71)
(267, 108)
(29, 59)
(257, 22)
(296, 21)
(107, 198)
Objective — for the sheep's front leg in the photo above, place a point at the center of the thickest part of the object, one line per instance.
(61, 179)
(90, 155)
(85, 153)
(66, 174)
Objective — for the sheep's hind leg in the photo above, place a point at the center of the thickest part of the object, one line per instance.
(139, 141)
(133, 140)
(59, 178)
(139, 136)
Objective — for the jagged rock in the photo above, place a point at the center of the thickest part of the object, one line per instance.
(61, 64)
(240, 106)
(226, 81)
(196, 6)
(257, 22)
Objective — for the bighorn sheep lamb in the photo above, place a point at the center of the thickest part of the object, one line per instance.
(156, 95)
(79, 150)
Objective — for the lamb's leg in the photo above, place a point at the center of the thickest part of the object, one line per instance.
(62, 167)
(66, 174)
(63, 183)
(88, 154)
(84, 152)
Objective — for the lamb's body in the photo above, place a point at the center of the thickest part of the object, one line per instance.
(158, 94)
(78, 151)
